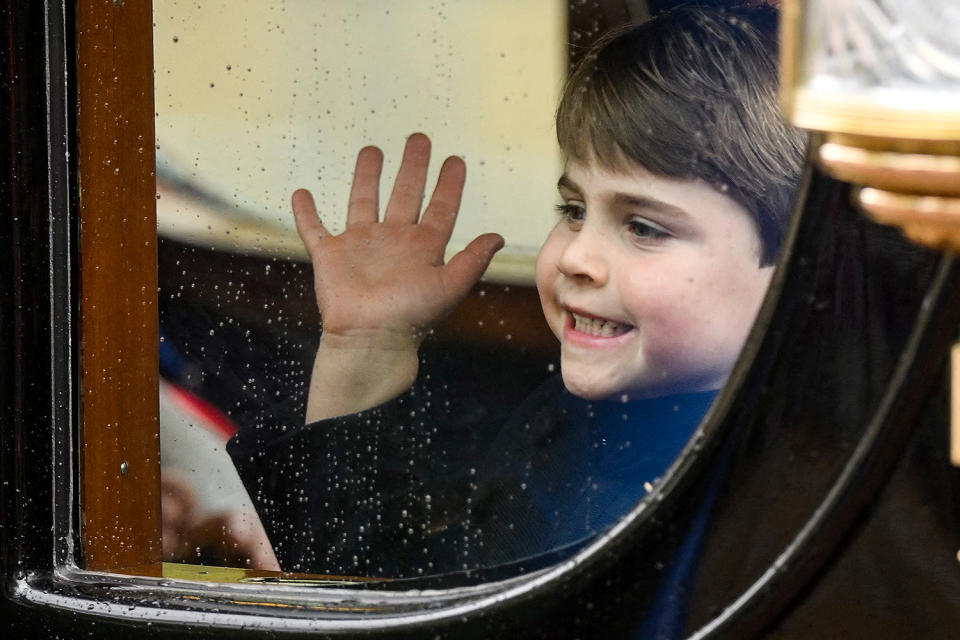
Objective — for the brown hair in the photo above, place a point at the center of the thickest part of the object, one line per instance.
(691, 93)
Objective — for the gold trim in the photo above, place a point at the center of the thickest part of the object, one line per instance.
(236, 575)
(295, 605)
(812, 109)
(930, 220)
(203, 573)
(791, 15)
(905, 172)
(955, 405)
(899, 145)
(929, 208)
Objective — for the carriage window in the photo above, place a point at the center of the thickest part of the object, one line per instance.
(528, 421)
(278, 98)
(424, 421)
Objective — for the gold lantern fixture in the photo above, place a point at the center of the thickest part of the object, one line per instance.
(881, 80)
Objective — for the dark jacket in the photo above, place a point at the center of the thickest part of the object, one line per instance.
(374, 493)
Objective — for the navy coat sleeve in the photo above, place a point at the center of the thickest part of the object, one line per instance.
(376, 493)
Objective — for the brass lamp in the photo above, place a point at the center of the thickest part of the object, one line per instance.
(880, 79)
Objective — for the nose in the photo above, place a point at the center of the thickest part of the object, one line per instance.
(583, 259)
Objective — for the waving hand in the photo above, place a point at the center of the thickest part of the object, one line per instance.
(382, 283)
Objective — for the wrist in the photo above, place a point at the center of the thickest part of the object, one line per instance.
(379, 342)
(352, 375)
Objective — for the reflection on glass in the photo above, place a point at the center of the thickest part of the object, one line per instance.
(440, 435)
(254, 99)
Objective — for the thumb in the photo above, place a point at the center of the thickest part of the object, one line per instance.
(464, 269)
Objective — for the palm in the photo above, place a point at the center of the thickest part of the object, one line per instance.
(392, 275)
(389, 278)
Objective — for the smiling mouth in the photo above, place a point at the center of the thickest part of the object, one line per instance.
(598, 327)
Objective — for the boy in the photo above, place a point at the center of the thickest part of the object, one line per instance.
(675, 193)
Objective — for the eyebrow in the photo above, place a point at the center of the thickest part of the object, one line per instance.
(631, 200)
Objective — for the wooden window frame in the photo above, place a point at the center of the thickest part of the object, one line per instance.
(119, 403)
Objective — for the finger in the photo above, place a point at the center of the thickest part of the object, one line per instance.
(441, 213)
(309, 227)
(365, 193)
(407, 195)
(464, 269)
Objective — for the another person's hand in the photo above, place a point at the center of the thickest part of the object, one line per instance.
(381, 284)
(178, 513)
(231, 538)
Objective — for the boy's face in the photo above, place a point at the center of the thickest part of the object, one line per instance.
(650, 283)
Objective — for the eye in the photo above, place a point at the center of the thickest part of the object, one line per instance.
(572, 212)
(645, 230)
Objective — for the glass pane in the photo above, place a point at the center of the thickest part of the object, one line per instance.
(870, 61)
(255, 100)
(485, 443)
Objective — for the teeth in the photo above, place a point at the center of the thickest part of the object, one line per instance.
(598, 327)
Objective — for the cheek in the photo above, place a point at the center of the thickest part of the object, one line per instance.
(682, 307)
(547, 260)
(550, 252)
(660, 296)
(739, 291)
(546, 277)
(543, 266)
(720, 306)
